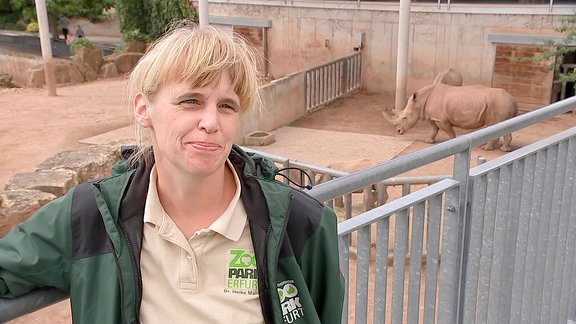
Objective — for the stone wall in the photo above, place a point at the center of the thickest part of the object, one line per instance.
(25, 193)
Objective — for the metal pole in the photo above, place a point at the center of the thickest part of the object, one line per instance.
(46, 46)
(203, 12)
(402, 63)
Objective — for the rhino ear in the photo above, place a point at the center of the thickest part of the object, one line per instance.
(414, 96)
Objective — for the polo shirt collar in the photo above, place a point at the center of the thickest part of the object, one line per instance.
(230, 224)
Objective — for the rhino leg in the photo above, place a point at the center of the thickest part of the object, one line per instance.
(506, 139)
(432, 138)
(490, 145)
(447, 127)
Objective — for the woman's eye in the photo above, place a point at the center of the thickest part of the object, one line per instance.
(190, 102)
(227, 106)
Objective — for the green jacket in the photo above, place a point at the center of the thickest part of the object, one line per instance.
(95, 256)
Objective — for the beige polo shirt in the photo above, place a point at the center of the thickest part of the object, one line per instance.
(210, 278)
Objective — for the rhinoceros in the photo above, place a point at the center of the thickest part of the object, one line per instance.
(449, 77)
(467, 107)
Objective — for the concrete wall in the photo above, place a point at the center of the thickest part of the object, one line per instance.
(308, 33)
(282, 103)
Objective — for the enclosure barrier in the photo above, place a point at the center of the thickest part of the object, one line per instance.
(490, 244)
(327, 82)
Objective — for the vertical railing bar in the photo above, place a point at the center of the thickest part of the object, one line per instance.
(307, 92)
(557, 233)
(432, 259)
(381, 274)
(486, 252)
(344, 253)
(529, 305)
(477, 210)
(415, 269)
(450, 266)
(347, 198)
(544, 247)
(500, 286)
(362, 274)
(399, 265)
(566, 298)
(525, 172)
(539, 244)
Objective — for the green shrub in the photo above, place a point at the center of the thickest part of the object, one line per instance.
(135, 34)
(79, 43)
(32, 27)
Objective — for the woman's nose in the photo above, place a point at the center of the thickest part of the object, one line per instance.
(209, 120)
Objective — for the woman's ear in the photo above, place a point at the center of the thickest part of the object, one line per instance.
(141, 113)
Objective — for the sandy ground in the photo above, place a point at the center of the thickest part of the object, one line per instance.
(34, 126)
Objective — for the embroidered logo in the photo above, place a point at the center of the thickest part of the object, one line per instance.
(289, 301)
(242, 276)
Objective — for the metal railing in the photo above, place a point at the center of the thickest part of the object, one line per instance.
(328, 82)
(480, 247)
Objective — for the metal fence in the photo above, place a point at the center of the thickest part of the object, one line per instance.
(327, 82)
(490, 244)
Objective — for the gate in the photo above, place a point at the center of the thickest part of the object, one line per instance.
(327, 82)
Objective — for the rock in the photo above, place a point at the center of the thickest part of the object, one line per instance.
(125, 62)
(5, 80)
(56, 182)
(109, 70)
(86, 70)
(135, 46)
(64, 71)
(91, 56)
(18, 205)
(90, 163)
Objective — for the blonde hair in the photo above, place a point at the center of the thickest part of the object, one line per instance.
(195, 55)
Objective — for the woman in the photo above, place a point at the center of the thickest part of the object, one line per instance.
(189, 228)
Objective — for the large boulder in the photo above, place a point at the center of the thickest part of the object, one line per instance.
(86, 70)
(124, 62)
(90, 163)
(64, 71)
(56, 182)
(89, 55)
(18, 205)
(135, 46)
(109, 70)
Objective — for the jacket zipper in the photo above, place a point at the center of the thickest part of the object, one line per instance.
(279, 247)
(137, 282)
(121, 285)
(119, 271)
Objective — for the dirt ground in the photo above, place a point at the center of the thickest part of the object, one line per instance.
(34, 126)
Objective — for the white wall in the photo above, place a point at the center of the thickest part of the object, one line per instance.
(439, 37)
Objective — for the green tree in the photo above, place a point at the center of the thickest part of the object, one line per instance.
(562, 49)
(147, 19)
(26, 9)
(90, 9)
(556, 51)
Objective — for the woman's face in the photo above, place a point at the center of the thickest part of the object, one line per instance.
(192, 129)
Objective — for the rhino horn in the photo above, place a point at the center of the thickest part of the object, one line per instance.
(389, 115)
